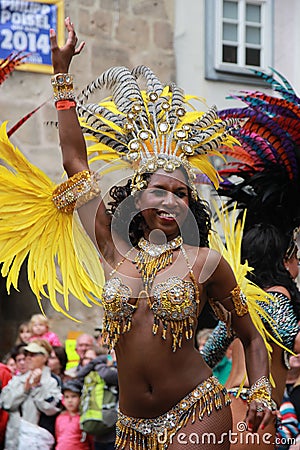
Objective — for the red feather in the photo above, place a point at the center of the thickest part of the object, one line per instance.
(8, 65)
(24, 119)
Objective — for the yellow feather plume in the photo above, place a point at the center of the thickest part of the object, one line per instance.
(230, 249)
(61, 259)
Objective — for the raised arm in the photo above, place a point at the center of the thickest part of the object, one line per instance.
(221, 289)
(71, 138)
(93, 214)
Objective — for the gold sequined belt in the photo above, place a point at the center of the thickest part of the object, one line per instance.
(144, 433)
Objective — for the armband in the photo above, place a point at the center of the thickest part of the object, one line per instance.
(223, 314)
(76, 191)
(239, 301)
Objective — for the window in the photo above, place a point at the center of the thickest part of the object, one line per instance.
(239, 37)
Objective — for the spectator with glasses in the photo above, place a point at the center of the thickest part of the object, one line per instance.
(31, 398)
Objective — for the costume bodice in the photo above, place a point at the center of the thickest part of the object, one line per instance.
(173, 302)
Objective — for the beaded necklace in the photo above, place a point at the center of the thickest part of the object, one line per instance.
(151, 258)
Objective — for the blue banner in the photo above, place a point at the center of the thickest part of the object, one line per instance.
(24, 27)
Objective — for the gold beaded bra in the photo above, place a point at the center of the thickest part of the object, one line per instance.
(174, 302)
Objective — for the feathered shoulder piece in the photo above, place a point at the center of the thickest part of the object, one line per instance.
(267, 162)
(231, 228)
(33, 230)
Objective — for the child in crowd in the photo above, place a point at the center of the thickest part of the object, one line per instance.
(39, 326)
(24, 334)
(90, 355)
(10, 362)
(67, 427)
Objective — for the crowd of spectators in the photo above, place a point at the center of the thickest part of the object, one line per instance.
(40, 400)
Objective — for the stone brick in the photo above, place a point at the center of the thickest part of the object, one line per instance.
(82, 67)
(85, 24)
(162, 65)
(98, 23)
(149, 8)
(119, 6)
(75, 4)
(105, 57)
(90, 3)
(133, 33)
(163, 35)
(103, 24)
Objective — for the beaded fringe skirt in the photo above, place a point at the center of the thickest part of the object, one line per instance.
(155, 433)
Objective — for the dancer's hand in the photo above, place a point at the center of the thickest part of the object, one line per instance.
(259, 416)
(62, 56)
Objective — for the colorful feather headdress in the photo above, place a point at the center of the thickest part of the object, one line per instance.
(267, 163)
(152, 128)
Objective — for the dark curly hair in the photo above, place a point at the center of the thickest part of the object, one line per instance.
(129, 223)
(265, 247)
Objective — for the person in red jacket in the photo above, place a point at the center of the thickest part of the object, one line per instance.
(5, 376)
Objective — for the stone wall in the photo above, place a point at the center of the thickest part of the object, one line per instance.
(116, 32)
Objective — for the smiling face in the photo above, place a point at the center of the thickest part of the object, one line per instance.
(164, 203)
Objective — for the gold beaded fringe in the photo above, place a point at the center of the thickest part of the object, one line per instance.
(155, 434)
(152, 258)
(149, 265)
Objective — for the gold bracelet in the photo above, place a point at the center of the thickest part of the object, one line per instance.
(76, 191)
(261, 392)
(63, 88)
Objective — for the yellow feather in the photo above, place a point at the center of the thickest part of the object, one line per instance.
(34, 228)
(205, 166)
(231, 251)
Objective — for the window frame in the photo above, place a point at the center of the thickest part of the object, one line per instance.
(215, 68)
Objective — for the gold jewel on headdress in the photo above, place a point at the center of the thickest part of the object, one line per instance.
(151, 258)
(76, 191)
(152, 129)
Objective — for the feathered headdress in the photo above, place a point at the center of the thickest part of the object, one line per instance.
(267, 163)
(152, 128)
